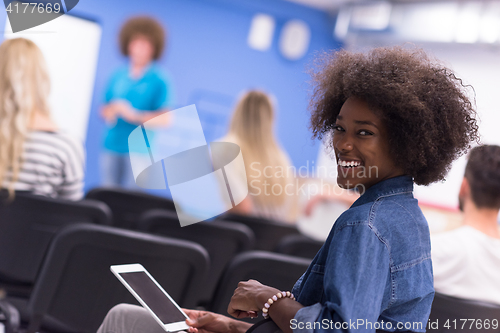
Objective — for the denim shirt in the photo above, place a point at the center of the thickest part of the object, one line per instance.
(374, 271)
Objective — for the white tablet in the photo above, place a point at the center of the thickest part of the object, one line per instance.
(152, 296)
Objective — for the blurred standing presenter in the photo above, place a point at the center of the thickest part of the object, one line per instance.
(136, 93)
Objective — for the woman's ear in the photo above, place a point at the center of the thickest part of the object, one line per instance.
(463, 194)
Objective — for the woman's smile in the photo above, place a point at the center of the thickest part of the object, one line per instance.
(361, 147)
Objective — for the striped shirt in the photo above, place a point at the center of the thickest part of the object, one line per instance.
(53, 166)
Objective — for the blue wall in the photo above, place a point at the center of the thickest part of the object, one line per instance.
(209, 61)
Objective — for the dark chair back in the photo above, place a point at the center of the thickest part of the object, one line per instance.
(267, 232)
(272, 269)
(451, 314)
(222, 240)
(127, 206)
(28, 225)
(299, 246)
(76, 287)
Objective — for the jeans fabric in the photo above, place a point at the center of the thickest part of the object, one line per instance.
(116, 170)
(374, 270)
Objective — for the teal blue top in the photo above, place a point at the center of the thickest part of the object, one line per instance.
(151, 92)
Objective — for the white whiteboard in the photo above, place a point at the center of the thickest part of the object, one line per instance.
(479, 66)
(71, 46)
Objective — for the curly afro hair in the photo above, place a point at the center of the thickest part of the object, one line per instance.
(145, 26)
(428, 116)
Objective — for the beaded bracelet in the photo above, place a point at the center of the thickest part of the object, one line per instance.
(267, 305)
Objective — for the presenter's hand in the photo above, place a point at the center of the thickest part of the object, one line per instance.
(125, 111)
(108, 113)
(209, 322)
(249, 298)
(118, 108)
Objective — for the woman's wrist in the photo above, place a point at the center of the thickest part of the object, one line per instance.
(264, 296)
(279, 296)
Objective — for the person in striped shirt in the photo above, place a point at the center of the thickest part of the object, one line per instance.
(35, 156)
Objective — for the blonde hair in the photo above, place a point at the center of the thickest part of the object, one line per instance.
(24, 88)
(251, 128)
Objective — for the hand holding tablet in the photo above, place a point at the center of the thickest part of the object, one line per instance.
(152, 296)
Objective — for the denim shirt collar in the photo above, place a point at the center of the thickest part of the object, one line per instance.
(400, 184)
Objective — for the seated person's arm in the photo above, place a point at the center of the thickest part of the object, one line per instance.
(345, 196)
(243, 208)
(249, 298)
(209, 322)
(123, 109)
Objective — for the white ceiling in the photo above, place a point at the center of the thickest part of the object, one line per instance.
(326, 5)
(332, 6)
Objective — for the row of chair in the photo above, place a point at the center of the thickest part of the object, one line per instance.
(129, 206)
(29, 223)
(75, 287)
(77, 264)
(76, 276)
(221, 239)
(292, 243)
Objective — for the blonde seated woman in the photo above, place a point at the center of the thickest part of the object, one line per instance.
(35, 156)
(269, 178)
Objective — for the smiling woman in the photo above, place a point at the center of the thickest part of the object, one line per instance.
(397, 119)
(424, 107)
(361, 145)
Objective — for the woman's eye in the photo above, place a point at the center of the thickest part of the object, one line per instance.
(363, 132)
(337, 128)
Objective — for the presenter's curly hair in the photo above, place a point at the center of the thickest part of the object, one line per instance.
(144, 26)
(428, 115)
